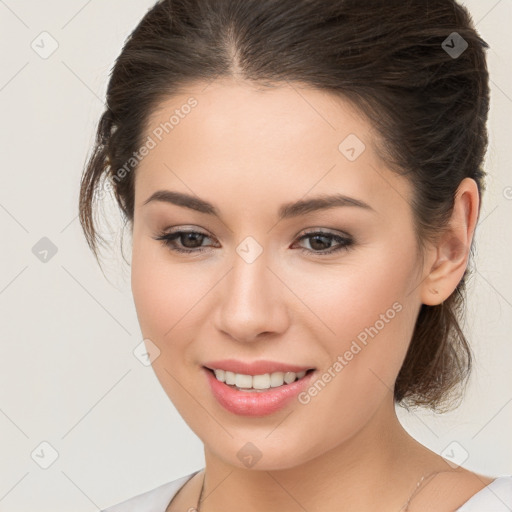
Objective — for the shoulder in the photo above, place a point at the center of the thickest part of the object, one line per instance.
(495, 497)
(155, 500)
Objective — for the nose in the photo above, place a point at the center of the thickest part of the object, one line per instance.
(252, 302)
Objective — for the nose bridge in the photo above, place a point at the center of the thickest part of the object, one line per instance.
(251, 301)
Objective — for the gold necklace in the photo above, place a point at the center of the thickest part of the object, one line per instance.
(405, 506)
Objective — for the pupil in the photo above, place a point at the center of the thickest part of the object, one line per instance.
(315, 239)
(191, 237)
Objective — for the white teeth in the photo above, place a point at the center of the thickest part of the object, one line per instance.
(265, 381)
(276, 379)
(243, 381)
(261, 381)
(289, 377)
(220, 374)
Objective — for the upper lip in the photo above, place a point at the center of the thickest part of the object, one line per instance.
(255, 367)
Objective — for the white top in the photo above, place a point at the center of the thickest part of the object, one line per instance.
(496, 497)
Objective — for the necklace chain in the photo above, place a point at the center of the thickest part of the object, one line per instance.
(405, 506)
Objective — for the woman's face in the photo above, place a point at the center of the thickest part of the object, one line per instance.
(255, 287)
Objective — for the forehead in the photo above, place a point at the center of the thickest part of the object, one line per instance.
(284, 115)
(287, 139)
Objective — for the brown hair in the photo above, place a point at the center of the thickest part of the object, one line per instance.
(390, 58)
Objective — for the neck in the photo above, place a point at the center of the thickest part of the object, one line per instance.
(381, 457)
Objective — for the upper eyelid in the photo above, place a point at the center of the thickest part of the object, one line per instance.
(309, 232)
(344, 241)
(301, 234)
(323, 231)
(306, 231)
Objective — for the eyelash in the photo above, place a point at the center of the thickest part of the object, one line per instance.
(168, 239)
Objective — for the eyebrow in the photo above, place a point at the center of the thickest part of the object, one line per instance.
(286, 211)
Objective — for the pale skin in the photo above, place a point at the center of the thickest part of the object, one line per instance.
(248, 151)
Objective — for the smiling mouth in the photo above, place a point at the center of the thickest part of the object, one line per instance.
(255, 383)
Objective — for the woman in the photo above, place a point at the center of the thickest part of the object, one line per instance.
(302, 181)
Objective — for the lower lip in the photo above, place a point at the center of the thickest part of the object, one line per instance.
(255, 403)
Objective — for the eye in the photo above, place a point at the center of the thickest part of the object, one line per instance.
(191, 240)
(320, 242)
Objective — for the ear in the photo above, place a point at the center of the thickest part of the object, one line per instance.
(448, 258)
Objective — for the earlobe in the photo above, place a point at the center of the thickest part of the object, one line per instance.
(451, 252)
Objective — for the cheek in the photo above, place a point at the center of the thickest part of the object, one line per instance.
(162, 300)
(158, 291)
(147, 289)
(367, 314)
(372, 318)
(168, 299)
(352, 295)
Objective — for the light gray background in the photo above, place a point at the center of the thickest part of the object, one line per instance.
(67, 372)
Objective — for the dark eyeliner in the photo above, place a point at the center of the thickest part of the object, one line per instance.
(344, 242)
(168, 240)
